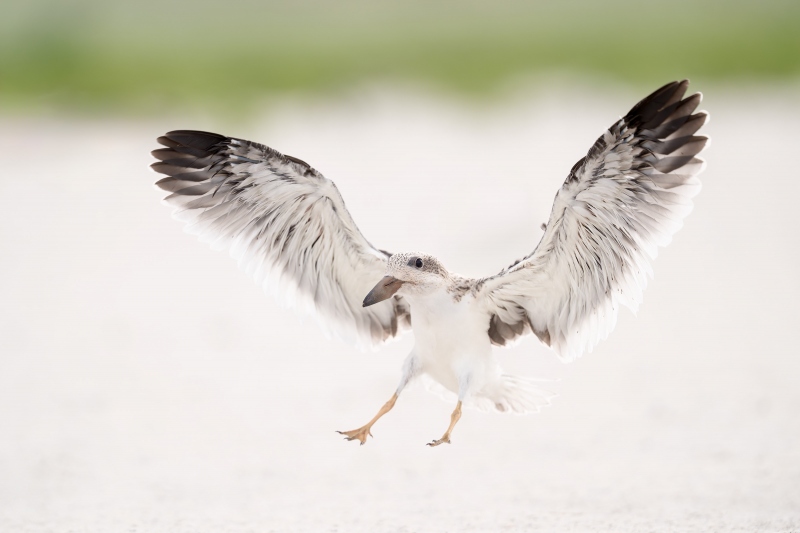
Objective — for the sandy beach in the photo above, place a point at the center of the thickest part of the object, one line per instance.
(147, 385)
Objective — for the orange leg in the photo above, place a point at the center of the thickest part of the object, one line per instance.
(454, 418)
(362, 432)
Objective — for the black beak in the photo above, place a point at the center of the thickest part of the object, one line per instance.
(384, 290)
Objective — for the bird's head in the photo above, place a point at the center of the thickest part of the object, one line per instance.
(410, 273)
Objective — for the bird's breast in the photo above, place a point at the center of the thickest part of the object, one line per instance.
(446, 330)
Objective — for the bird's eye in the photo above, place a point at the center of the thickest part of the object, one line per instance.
(418, 263)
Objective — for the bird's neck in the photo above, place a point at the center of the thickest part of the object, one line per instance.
(430, 305)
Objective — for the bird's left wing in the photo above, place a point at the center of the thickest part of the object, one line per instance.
(622, 201)
(286, 224)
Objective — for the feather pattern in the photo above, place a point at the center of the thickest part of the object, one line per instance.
(286, 225)
(621, 202)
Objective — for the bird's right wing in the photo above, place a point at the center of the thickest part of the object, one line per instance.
(286, 224)
(618, 205)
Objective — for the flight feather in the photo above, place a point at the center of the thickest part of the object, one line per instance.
(286, 225)
(618, 205)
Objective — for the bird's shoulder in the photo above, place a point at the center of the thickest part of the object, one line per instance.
(460, 287)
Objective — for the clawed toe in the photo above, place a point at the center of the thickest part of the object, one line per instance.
(359, 434)
(453, 419)
(364, 431)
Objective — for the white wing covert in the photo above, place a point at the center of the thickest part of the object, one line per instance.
(622, 201)
(285, 224)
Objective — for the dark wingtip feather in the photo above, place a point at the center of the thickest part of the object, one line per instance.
(169, 143)
(664, 127)
(650, 107)
(191, 158)
(195, 139)
(165, 168)
(692, 124)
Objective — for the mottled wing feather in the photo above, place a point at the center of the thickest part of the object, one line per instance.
(285, 224)
(622, 201)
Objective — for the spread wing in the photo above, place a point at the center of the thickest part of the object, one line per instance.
(285, 224)
(622, 201)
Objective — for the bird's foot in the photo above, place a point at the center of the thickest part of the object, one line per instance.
(453, 419)
(443, 440)
(359, 434)
(363, 432)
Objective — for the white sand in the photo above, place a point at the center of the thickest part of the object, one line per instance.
(146, 385)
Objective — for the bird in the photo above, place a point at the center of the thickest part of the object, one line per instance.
(288, 227)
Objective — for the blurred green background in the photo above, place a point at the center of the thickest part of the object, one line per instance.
(90, 55)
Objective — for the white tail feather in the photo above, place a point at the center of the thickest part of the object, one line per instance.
(509, 394)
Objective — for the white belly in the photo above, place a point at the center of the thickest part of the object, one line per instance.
(451, 343)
